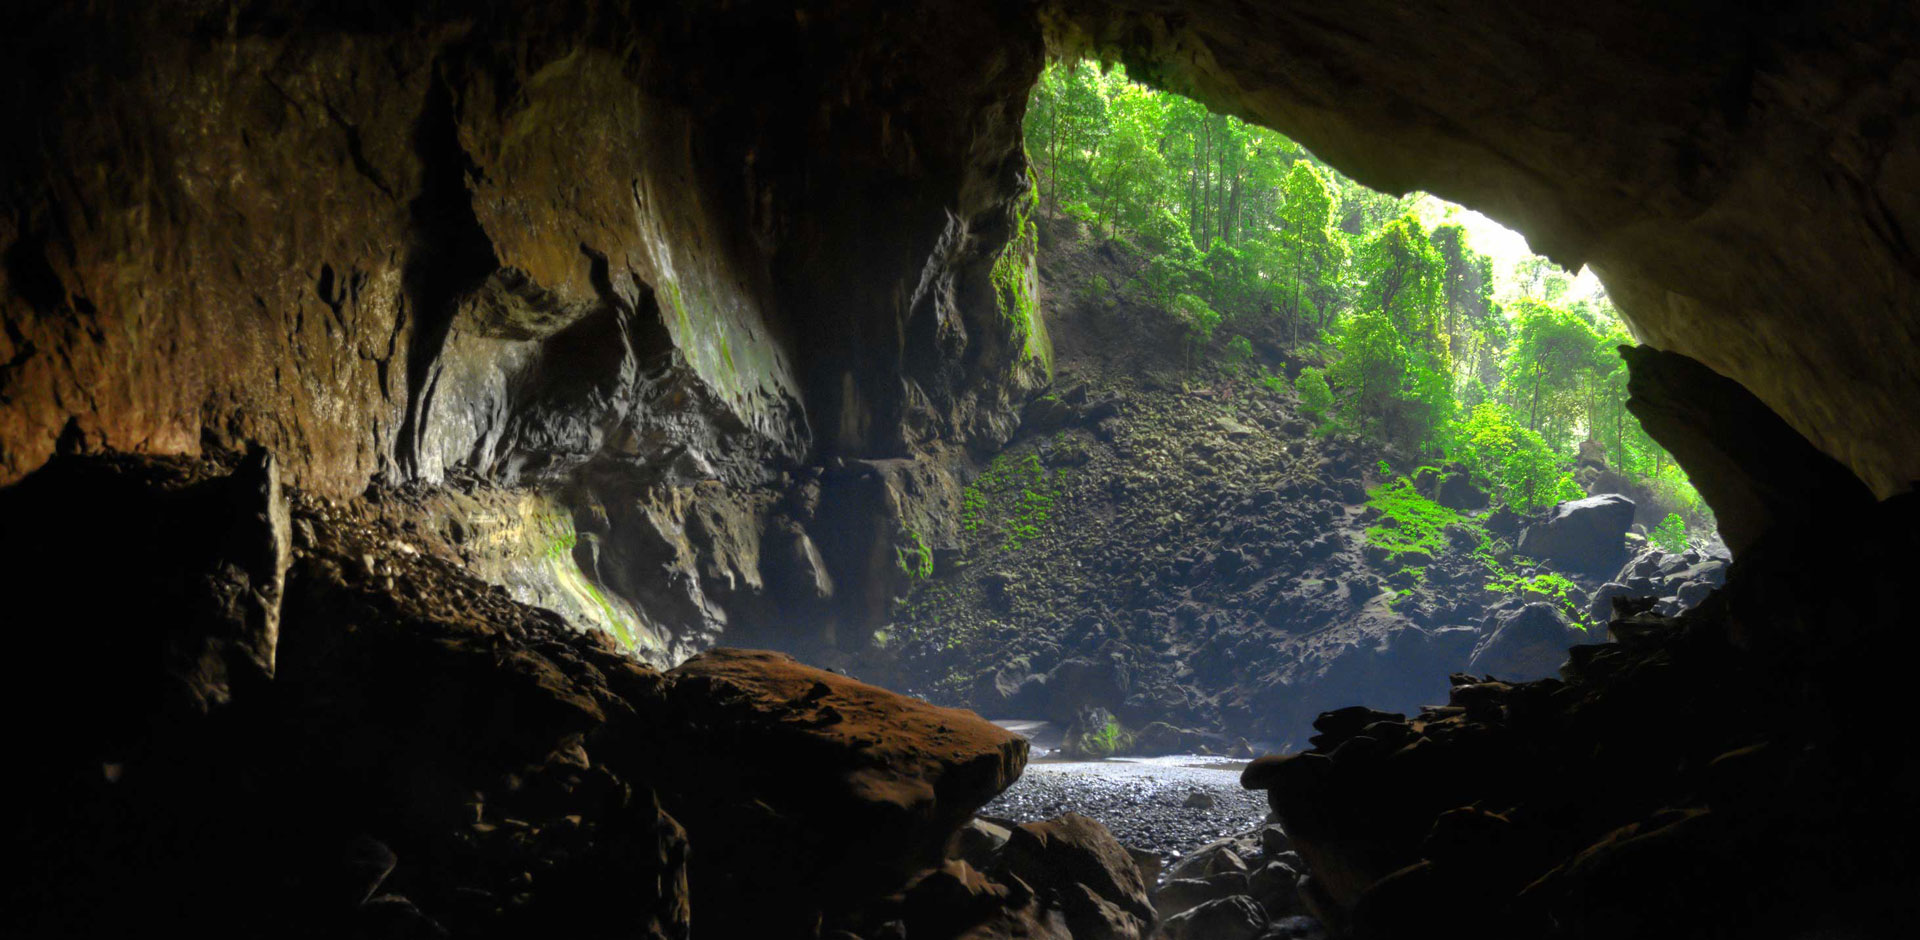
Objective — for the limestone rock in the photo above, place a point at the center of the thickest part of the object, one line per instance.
(1585, 535)
(1755, 470)
(1529, 643)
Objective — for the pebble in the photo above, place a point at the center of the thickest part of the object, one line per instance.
(1143, 801)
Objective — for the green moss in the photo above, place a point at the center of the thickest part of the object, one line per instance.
(916, 559)
(1014, 285)
(1409, 522)
(1013, 497)
(1412, 529)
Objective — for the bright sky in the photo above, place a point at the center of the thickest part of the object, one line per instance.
(1505, 246)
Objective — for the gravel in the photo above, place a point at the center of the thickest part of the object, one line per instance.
(1142, 801)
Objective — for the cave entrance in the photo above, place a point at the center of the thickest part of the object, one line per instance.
(1300, 451)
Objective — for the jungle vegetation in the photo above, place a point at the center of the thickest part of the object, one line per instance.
(1397, 328)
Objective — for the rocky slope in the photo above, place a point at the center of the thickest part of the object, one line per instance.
(1173, 542)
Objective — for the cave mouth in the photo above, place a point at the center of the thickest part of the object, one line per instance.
(407, 407)
(1354, 444)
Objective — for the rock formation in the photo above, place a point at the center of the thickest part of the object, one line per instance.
(668, 263)
(684, 319)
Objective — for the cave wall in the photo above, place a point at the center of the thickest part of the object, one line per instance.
(704, 274)
(1741, 176)
(638, 260)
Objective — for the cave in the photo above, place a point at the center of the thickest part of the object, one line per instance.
(420, 422)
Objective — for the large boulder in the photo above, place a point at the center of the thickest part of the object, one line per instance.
(1076, 683)
(808, 791)
(1529, 643)
(1077, 863)
(1586, 535)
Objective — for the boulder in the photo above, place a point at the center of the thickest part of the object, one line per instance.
(1601, 607)
(1692, 593)
(1160, 738)
(1530, 643)
(1235, 918)
(1078, 860)
(1095, 735)
(1456, 491)
(1184, 894)
(979, 842)
(819, 790)
(1585, 535)
(1275, 887)
(1078, 682)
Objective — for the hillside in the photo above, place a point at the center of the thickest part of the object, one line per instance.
(1177, 543)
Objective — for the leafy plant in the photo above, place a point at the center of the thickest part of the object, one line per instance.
(915, 559)
(1238, 357)
(1671, 534)
(1315, 396)
(1408, 522)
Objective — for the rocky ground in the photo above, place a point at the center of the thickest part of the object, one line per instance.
(1167, 806)
(1175, 542)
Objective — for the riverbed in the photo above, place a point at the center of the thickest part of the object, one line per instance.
(1148, 802)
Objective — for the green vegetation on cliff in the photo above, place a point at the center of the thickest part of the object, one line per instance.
(1409, 335)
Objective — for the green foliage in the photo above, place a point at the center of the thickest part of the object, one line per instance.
(1315, 395)
(1238, 357)
(1240, 226)
(1671, 534)
(1524, 473)
(1013, 497)
(1409, 523)
(1547, 586)
(915, 558)
(1413, 530)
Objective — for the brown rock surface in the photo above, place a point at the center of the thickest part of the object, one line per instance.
(813, 791)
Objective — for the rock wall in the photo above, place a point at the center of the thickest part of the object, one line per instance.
(629, 261)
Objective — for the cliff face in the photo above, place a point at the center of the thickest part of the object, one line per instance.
(732, 289)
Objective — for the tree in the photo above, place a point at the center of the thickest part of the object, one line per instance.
(1312, 250)
(1523, 471)
(1554, 356)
